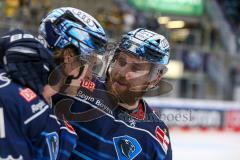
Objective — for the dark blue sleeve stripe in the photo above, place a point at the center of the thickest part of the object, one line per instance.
(95, 152)
(147, 156)
(82, 155)
(92, 134)
(64, 153)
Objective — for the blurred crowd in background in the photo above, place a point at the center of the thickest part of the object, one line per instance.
(204, 38)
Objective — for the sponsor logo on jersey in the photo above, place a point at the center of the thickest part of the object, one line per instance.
(37, 107)
(127, 147)
(162, 138)
(87, 84)
(28, 94)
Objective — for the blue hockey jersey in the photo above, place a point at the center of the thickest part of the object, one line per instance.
(28, 128)
(108, 131)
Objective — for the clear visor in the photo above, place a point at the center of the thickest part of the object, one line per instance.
(135, 72)
(92, 65)
(79, 69)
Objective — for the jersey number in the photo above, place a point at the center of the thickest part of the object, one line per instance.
(2, 126)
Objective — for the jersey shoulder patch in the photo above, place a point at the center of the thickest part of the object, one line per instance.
(27, 94)
(162, 137)
(160, 130)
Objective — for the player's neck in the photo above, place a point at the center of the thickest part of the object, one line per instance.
(129, 106)
(47, 93)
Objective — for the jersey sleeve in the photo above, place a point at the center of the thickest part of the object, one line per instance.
(48, 137)
(169, 153)
(39, 124)
(169, 150)
(163, 148)
(53, 138)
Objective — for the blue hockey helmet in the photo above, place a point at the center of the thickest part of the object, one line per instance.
(70, 26)
(147, 44)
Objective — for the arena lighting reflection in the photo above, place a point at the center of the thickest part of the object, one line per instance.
(175, 24)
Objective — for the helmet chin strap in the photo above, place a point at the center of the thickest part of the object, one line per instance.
(71, 77)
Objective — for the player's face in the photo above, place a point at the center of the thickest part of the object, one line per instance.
(129, 76)
(73, 64)
(87, 70)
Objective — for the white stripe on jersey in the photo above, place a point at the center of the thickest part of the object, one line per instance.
(54, 117)
(68, 130)
(36, 115)
(2, 125)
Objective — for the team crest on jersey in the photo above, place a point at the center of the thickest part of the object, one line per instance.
(28, 94)
(53, 144)
(162, 138)
(127, 147)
